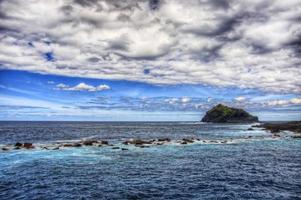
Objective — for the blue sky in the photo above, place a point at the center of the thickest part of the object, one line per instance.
(33, 96)
(148, 60)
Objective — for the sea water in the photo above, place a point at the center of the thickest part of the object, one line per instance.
(256, 167)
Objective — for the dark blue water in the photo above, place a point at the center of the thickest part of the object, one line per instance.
(260, 167)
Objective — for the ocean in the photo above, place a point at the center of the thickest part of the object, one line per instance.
(229, 161)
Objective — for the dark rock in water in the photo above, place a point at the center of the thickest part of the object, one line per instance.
(250, 129)
(137, 142)
(294, 126)
(77, 145)
(5, 149)
(187, 140)
(275, 130)
(18, 144)
(164, 140)
(225, 114)
(124, 149)
(72, 145)
(68, 145)
(28, 145)
(115, 148)
(296, 136)
(103, 142)
(89, 142)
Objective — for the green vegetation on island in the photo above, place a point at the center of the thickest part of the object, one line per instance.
(224, 114)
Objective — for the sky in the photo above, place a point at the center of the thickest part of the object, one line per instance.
(149, 60)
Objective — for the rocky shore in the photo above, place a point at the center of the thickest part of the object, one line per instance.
(276, 128)
(123, 145)
(127, 144)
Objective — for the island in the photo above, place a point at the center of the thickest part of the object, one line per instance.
(224, 114)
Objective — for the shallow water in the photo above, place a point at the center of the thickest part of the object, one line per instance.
(247, 168)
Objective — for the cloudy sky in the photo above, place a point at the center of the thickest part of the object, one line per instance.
(148, 59)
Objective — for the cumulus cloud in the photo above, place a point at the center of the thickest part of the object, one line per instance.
(185, 99)
(240, 98)
(296, 101)
(83, 87)
(249, 44)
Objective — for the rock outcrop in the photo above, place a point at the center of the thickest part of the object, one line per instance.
(294, 126)
(225, 114)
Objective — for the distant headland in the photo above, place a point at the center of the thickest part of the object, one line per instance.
(224, 114)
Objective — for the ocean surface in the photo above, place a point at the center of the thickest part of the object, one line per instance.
(250, 164)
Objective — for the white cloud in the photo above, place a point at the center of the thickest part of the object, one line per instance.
(83, 87)
(62, 86)
(185, 99)
(296, 101)
(284, 102)
(240, 98)
(249, 44)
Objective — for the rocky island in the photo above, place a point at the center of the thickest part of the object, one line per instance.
(224, 114)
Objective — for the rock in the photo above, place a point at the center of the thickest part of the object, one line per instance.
(89, 142)
(225, 114)
(275, 130)
(56, 148)
(115, 148)
(5, 149)
(124, 149)
(104, 142)
(142, 146)
(164, 140)
(250, 129)
(188, 140)
(77, 145)
(18, 144)
(72, 145)
(137, 142)
(68, 145)
(183, 142)
(28, 145)
(294, 126)
(296, 136)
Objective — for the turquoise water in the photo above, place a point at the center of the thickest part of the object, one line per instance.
(260, 167)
